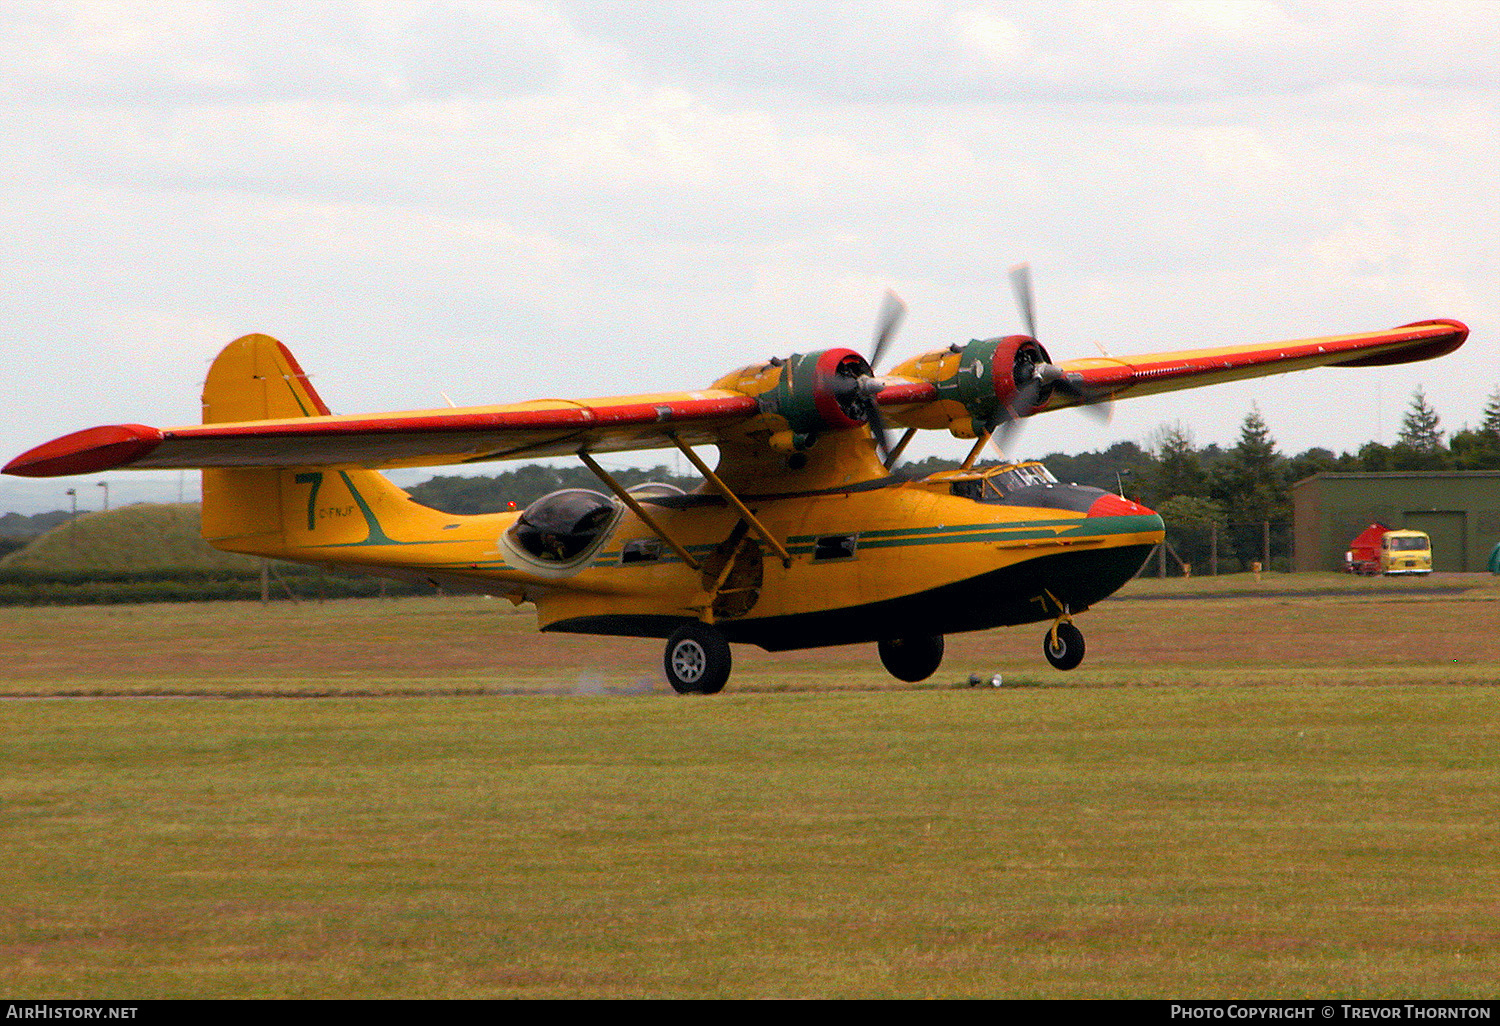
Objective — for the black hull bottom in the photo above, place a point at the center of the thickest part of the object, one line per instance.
(1001, 598)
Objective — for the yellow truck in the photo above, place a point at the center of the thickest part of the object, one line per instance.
(1380, 550)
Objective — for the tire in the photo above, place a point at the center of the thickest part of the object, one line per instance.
(912, 659)
(1066, 651)
(697, 660)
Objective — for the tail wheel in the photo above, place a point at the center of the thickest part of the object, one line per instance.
(912, 659)
(697, 660)
(1063, 645)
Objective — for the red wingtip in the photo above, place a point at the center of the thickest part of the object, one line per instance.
(87, 452)
(1438, 343)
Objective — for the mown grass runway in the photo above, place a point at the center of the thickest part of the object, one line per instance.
(1196, 824)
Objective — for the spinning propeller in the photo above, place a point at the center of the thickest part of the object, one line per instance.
(855, 384)
(1035, 378)
(1023, 378)
(891, 313)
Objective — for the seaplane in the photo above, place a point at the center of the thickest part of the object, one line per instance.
(805, 532)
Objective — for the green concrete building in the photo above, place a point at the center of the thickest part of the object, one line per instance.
(1459, 511)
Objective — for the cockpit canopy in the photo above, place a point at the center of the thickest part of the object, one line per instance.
(994, 484)
(561, 526)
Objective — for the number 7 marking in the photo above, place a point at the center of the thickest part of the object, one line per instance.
(316, 480)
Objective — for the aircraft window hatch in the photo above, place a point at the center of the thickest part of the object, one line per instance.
(835, 546)
(641, 550)
(563, 526)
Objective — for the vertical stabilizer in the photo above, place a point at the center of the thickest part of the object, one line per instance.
(256, 378)
(283, 511)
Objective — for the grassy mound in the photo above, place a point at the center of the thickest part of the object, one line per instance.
(142, 537)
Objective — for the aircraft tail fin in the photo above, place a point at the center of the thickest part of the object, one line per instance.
(257, 378)
(287, 511)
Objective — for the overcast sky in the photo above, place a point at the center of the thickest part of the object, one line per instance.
(497, 201)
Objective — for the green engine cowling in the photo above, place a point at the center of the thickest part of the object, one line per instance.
(810, 392)
(988, 380)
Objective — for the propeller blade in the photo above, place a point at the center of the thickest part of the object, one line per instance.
(1020, 283)
(1101, 412)
(877, 428)
(1001, 438)
(892, 310)
(1026, 400)
(1095, 405)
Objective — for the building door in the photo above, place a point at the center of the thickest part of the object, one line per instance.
(1449, 530)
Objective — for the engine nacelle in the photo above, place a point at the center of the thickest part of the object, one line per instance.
(806, 394)
(980, 384)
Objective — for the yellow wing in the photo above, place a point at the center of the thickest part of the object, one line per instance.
(977, 386)
(260, 410)
(250, 425)
(1189, 368)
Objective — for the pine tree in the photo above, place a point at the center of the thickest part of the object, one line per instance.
(1419, 428)
(1250, 484)
(1491, 417)
(1479, 448)
(1179, 469)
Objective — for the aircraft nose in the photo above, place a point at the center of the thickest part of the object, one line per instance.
(1108, 505)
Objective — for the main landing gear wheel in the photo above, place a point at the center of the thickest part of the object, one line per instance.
(1063, 645)
(697, 660)
(912, 659)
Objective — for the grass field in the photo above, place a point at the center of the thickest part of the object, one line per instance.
(1277, 793)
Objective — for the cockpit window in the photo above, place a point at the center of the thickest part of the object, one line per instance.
(561, 526)
(1022, 476)
(996, 483)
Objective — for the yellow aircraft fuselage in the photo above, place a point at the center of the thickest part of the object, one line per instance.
(868, 555)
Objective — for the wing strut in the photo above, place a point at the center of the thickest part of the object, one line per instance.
(979, 445)
(636, 508)
(733, 500)
(895, 454)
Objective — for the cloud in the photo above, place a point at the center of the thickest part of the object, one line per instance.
(191, 51)
(505, 200)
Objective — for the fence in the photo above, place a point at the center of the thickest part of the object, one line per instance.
(1215, 549)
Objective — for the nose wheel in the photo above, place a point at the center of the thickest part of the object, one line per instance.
(1063, 645)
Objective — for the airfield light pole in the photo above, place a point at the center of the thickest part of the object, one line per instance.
(105, 486)
(73, 519)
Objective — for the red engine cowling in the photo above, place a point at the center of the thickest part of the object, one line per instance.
(815, 392)
(994, 380)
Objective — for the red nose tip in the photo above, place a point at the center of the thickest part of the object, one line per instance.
(1115, 506)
